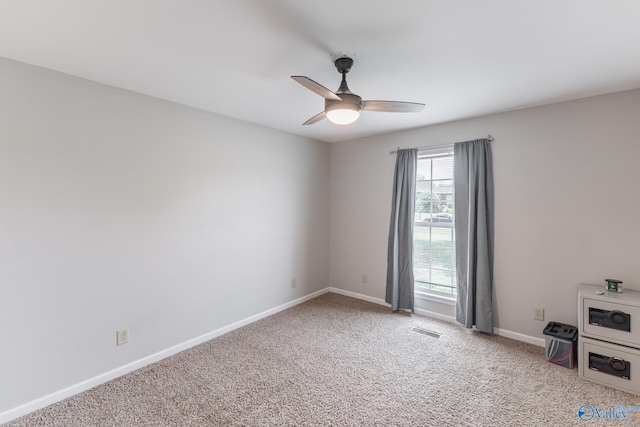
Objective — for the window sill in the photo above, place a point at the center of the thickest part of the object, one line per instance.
(435, 298)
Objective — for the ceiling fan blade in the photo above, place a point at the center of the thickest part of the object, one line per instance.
(316, 87)
(315, 119)
(392, 106)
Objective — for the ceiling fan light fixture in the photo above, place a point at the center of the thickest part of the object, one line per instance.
(342, 113)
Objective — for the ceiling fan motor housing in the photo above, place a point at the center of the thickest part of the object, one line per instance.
(349, 101)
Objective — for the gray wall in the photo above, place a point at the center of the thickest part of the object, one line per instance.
(567, 205)
(124, 211)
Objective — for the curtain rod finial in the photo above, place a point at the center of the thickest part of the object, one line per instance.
(490, 138)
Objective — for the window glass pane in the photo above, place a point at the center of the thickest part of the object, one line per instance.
(434, 237)
(423, 171)
(443, 167)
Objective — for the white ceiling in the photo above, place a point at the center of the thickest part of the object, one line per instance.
(462, 58)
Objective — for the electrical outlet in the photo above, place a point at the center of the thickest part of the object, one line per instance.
(294, 282)
(122, 336)
(538, 314)
(365, 278)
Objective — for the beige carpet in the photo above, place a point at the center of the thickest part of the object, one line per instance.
(338, 361)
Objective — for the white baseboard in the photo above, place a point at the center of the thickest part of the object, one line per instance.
(357, 296)
(520, 337)
(380, 301)
(445, 318)
(59, 395)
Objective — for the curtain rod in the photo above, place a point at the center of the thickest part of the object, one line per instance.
(489, 137)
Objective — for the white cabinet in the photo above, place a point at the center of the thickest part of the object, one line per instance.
(609, 337)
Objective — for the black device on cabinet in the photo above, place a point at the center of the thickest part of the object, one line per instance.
(613, 319)
(610, 365)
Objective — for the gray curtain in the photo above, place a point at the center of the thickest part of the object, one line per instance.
(473, 193)
(400, 251)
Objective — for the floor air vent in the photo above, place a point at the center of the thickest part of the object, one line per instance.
(427, 332)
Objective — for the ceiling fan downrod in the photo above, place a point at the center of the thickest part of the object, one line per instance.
(343, 65)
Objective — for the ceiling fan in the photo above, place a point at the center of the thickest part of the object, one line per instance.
(343, 107)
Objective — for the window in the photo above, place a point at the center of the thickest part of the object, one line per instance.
(434, 253)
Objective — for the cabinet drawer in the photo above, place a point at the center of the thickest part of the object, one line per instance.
(611, 321)
(610, 362)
